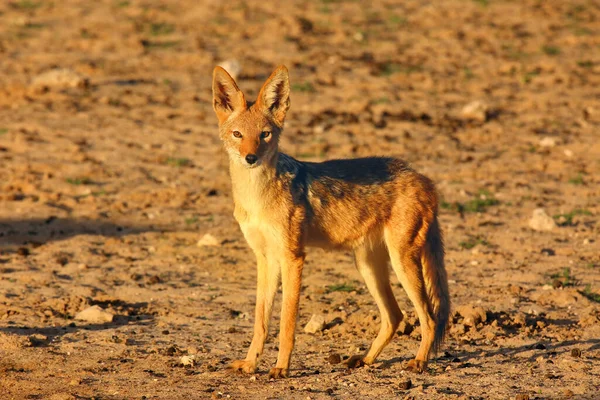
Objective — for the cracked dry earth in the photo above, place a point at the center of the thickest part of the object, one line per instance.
(112, 172)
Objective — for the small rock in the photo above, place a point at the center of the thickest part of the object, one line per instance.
(474, 111)
(233, 67)
(316, 324)
(405, 328)
(472, 315)
(37, 339)
(208, 240)
(540, 221)
(405, 385)
(548, 142)
(23, 251)
(568, 153)
(576, 353)
(334, 359)
(568, 393)
(59, 77)
(548, 252)
(94, 315)
(188, 360)
(522, 397)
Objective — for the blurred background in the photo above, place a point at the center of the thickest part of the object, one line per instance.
(114, 188)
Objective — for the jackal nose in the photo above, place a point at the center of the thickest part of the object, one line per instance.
(251, 158)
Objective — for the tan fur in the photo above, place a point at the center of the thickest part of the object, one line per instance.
(378, 207)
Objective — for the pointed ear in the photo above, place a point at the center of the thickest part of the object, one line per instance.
(227, 97)
(275, 94)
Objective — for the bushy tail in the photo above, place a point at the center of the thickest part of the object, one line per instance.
(436, 281)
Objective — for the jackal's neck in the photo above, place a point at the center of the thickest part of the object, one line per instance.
(252, 181)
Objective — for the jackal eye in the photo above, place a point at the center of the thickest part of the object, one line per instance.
(265, 134)
(237, 134)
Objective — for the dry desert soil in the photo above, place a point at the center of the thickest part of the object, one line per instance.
(115, 193)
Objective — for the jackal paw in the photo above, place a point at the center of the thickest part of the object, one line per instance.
(249, 367)
(416, 366)
(277, 373)
(355, 362)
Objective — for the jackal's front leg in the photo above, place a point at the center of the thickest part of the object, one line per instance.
(291, 278)
(267, 283)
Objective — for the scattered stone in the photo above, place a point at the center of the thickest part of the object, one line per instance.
(94, 315)
(540, 221)
(316, 324)
(153, 280)
(334, 359)
(576, 353)
(548, 142)
(568, 393)
(472, 315)
(233, 67)
(474, 111)
(405, 328)
(207, 241)
(540, 346)
(60, 78)
(405, 385)
(23, 251)
(37, 339)
(548, 252)
(522, 397)
(188, 360)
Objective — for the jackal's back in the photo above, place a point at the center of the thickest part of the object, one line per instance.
(347, 200)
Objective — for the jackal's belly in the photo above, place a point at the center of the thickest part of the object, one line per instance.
(344, 227)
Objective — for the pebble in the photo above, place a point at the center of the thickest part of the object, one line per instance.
(472, 315)
(316, 324)
(94, 315)
(405, 385)
(59, 77)
(208, 240)
(540, 221)
(334, 359)
(548, 142)
(474, 111)
(188, 360)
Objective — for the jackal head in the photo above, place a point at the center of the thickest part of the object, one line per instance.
(250, 132)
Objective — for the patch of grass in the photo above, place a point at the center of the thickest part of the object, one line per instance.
(3, 131)
(563, 278)
(577, 180)
(27, 5)
(155, 45)
(341, 287)
(305, 87)
(391, 68)
(178, 162)
(528, 76)
(567, 218)
(551, 50)
(79, 181)
(161, 28)
(479, 204)
(122, 3)
(191, 220)
(381, 100)
(468, 73)
(483, 3)
(592, 296)
(397, 20)
(585, 63)
(473, 241)
(582, 31)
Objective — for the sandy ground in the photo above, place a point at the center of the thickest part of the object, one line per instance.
(112, 171)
